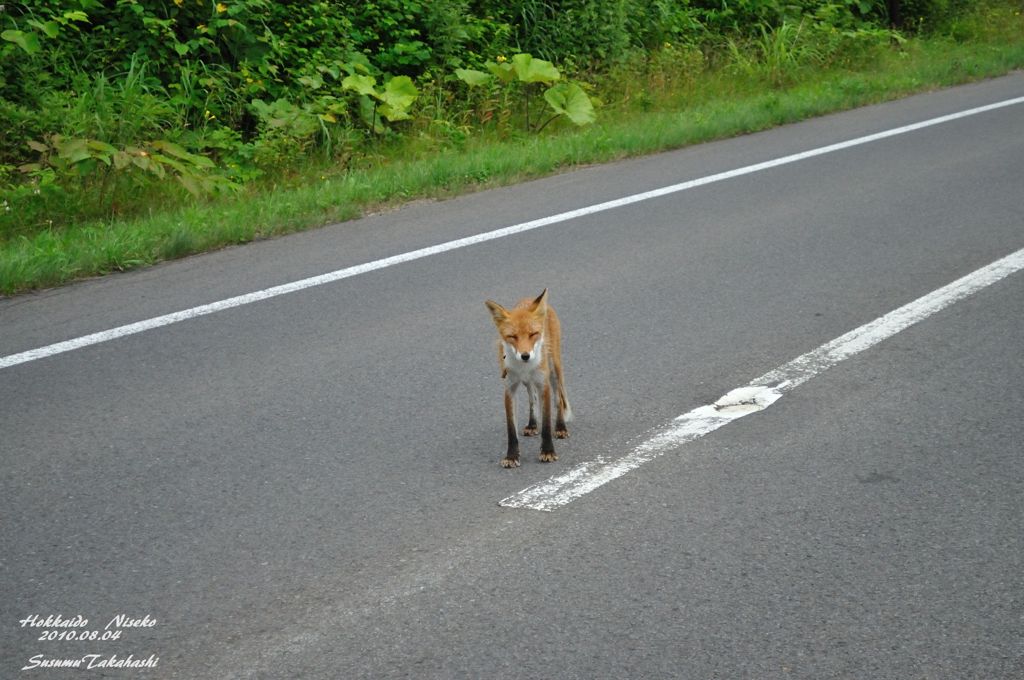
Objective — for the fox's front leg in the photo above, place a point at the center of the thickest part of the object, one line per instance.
(547, 445)
(531, 426)
(511, 458)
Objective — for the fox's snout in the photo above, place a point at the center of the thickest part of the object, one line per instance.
(521, 353)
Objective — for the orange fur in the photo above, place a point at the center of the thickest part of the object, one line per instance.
(530, 354)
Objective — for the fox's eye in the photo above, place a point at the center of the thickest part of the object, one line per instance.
(534, 336)
(510, 339)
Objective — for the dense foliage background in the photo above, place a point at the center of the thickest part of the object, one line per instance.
(103, 100)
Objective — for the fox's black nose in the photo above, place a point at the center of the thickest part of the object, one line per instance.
(525, 356)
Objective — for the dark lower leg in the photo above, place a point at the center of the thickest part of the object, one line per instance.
(547, 445)
(511, 458)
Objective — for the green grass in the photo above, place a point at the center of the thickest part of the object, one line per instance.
(717, 103)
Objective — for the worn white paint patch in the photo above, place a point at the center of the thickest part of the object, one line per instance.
(759, 394)
(331, 277)
(746, 400)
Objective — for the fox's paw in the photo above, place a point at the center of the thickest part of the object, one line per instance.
(509, 462)
(548, 456)
(562, 433)
(530, 431)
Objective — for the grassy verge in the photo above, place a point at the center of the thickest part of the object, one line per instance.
(720, 102)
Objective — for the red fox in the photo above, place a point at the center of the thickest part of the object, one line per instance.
(530, 354)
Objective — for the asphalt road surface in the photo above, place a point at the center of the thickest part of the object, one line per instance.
(307, 486)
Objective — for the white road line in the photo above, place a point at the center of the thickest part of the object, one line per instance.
(330, 277)
(759, 394)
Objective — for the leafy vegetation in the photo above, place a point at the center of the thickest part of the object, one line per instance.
(523, 71)
(139, 130)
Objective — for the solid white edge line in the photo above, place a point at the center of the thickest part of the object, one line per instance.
(760, 393)
(330, 277)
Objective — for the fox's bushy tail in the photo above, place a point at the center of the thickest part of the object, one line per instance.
(563, 398)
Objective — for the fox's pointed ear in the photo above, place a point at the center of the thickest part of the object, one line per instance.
(498, 313)
(541, 303)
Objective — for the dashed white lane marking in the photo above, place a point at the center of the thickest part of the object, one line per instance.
(759, 394)
(337, 275)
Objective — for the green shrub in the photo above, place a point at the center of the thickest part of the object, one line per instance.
(103, 101)
(524, 74)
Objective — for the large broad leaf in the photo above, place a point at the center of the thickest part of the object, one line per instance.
(74, 150)
(102, 147)
(192, 184)
(571, 101)
(169, 162)
(313, 82)
(101, 150)
(398, 95)
(275, 115)
(530, 70)
(26, 41)
(50, 28)
(472, 77)
(172, 149)
(504, 71)
(122, 159)
(362, 84)
(141, 159)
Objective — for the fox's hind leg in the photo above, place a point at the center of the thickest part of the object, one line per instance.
(547, 445)
(563, 411)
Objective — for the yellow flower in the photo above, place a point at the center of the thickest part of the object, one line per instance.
(221, 7)
(179, 3)
(501, 59)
